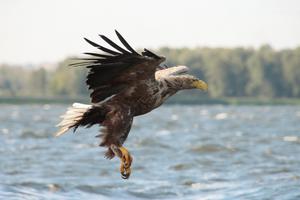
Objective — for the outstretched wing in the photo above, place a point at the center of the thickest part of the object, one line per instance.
(116, 69)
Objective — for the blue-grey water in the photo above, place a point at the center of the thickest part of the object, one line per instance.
(180, 152)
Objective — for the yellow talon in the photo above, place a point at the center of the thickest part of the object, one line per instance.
(126, 160)
(126, 157)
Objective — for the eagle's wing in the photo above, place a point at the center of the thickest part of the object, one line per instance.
(117, 69)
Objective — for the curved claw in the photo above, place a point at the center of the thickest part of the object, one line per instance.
(125, 172)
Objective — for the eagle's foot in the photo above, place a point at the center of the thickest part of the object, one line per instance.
(125, 172)
(126, 160)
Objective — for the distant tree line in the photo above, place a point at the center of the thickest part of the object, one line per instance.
(235, 72)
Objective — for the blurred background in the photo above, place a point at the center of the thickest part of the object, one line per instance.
(240, 140)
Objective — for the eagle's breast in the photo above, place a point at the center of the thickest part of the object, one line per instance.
(142, 97)
(150, 95)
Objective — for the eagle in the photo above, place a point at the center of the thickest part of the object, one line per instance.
(123, 84)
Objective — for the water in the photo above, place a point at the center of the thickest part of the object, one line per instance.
(180, 152)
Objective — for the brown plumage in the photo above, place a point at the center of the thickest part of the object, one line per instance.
(124, 84)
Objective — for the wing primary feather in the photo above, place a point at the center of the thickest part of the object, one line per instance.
(125, 43)
(95, 59)
(91, 43)
(114, 45)
(109, 51)
(150, 54)
(116, 64)
(101, 47)
(98, 55)
(81, 63)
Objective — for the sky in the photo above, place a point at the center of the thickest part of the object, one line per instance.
(41, 31)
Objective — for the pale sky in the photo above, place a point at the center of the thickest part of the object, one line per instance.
(38, 31)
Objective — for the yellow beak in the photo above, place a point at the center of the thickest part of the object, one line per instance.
(199, 84)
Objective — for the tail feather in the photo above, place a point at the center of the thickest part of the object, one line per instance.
(71, 117)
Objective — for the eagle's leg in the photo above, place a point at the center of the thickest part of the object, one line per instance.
(126, 160)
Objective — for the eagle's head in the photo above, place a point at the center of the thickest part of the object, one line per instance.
(177, 78)
(191, 82)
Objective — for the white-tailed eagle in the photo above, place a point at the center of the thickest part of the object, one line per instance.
(124, 84)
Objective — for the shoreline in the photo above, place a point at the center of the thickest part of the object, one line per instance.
(194, 100)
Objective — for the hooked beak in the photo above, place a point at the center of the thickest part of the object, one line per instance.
(199, 84)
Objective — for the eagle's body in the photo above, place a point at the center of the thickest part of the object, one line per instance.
(125, 84)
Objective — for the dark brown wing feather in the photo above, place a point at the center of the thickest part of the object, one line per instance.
(117, 69)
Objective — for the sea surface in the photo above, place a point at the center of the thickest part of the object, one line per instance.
(180, 152)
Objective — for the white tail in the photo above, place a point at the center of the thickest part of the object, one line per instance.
(69, 119)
